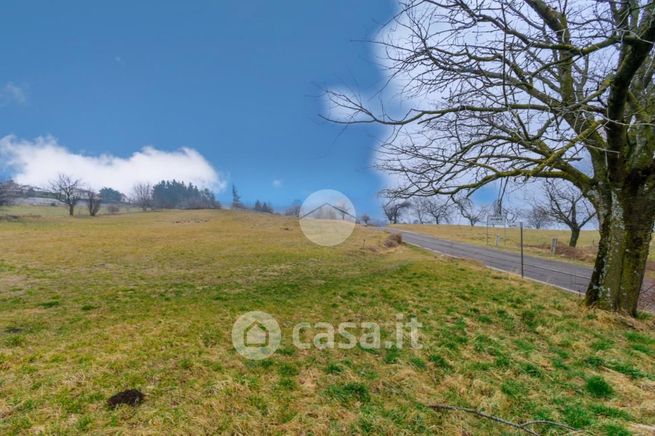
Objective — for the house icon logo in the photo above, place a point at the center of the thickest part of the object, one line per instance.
(256, 335)
(327, 217)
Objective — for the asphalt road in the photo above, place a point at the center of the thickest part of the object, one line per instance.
(564, 275)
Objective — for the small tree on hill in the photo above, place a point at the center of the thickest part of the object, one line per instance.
(566, 205)
(394, 209)
(294, 209)
(236, 199)
(267, 207)
(94, 200)
(470, 211)
(142, 195)
(67, 190)
(538, 217)
(439, 210)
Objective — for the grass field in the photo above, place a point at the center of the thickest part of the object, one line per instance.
(536, 242)
(93, 306)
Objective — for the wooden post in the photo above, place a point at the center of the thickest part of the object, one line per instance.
(553, 247)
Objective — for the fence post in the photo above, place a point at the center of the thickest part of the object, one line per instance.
(522, 275)
(553, 247)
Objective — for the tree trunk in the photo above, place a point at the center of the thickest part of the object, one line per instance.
(626, 225)
(575, 234)
(71, 209)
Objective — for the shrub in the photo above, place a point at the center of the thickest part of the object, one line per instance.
(393, 240)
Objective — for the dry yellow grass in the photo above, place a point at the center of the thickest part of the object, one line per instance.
(536, 241)
(89, 307)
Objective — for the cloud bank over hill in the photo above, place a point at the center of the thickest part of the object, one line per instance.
(39, 161)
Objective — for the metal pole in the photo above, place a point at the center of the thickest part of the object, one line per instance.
(487, 229)
(521, 248)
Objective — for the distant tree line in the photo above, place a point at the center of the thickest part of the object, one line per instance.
(552, 202)
(259, 206)
(178, 195)
(263, 207)
(167, 194)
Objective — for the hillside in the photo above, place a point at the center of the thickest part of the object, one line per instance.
(92, 306)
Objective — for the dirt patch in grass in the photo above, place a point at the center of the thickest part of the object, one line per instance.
(130, 397)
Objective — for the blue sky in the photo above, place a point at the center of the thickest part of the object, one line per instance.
(239, 82)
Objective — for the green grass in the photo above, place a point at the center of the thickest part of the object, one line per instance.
(90, 307)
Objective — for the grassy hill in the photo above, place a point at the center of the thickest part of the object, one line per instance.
(90, 307)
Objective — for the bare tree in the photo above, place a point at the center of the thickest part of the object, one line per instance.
(293, 210)
(539, 88)
(67, 190)
(142, 195)
(365, 219)
(470, 211)
(566, 205)
(420, 208)
(93, 202)
(538, 216)
(439, 209)
(394, 209)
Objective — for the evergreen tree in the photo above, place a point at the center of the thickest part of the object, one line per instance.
(236, 199)
(177, 195)
(110, 195)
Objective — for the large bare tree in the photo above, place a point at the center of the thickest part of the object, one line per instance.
(68, 190)
(522, 89)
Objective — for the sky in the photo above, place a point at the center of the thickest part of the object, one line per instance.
(214, 92)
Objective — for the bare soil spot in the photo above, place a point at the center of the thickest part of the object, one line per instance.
(130, 397)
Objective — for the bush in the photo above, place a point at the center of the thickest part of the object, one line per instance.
(113, 209)
(393, 240)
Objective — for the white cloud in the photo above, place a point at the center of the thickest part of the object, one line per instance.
(39, 161)
(12, 93)
(277, 183)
